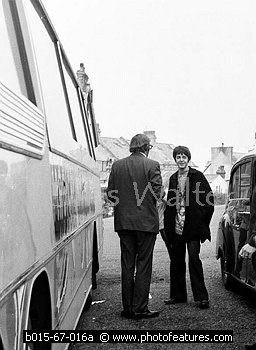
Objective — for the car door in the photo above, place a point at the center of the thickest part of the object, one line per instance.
(239, 215)
(251, 263)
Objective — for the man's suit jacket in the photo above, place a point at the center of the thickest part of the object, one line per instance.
(135, 184)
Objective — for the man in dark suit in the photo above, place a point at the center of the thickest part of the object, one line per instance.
(135, 185)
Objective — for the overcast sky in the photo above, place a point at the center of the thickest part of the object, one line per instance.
(186, 69)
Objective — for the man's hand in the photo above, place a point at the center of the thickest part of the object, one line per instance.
(247, 251)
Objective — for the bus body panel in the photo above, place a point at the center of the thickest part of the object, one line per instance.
(51, 232)
(26, 214)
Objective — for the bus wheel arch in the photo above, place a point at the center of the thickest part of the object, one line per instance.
(40, 312)
(1, 343)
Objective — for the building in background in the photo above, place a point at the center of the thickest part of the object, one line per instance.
(111, 149)
(217, 170)
(223, 158)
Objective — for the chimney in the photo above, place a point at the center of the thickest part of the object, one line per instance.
(151, 134)
(221, 171)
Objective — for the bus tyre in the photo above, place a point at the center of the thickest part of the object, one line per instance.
(94, 280)
(88, 302)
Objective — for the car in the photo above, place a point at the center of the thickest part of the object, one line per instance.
(236, 225)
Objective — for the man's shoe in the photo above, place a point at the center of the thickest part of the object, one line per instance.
(251, 347)
(146, 314)
(174, 301)
(126, 314)
(204, 304)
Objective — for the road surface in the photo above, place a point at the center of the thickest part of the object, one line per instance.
(228, 310)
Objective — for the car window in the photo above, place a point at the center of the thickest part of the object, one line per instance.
(245, 180)
(234, 184)
(240, 182)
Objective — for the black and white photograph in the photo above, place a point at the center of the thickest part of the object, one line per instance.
(127, 174)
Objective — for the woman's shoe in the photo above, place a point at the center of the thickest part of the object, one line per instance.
(146, 314)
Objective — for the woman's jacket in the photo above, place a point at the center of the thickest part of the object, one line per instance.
(199, 207)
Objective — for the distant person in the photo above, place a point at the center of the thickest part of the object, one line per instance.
(135, 184)
(187, 217)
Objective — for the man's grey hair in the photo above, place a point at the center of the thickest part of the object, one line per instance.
(139, 143)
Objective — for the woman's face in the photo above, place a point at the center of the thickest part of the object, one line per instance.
(182, 161)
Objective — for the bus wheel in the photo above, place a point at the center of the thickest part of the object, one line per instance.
(88, 302)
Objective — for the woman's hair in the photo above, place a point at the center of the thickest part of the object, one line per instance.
(181, 150)
(139, 143)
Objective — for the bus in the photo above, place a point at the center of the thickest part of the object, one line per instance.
(51, 227)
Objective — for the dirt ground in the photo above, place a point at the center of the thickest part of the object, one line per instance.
(228, 310)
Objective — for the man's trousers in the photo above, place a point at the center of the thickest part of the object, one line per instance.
(178, 270)
(136, 264)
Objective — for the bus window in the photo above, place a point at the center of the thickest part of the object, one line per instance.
(11, 71)
(90, 114)
(22, 123)
(58, 122)
(75, 110)
(85, 122)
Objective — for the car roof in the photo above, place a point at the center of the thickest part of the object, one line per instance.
(251, 154)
